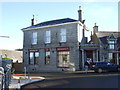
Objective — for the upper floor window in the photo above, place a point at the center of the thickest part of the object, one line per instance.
(63, 35)
(47, 37)
(34, 38)
(111, 44)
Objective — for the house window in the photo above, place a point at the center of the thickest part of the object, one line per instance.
(63, 35)
(111, 44)
(110, 56)
(31, 61)
(63, 59)
(47, 37)
(47, 56)
(33, 56)
(34, 38)
(36, 59)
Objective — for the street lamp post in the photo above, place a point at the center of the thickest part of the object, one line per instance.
(5, 36)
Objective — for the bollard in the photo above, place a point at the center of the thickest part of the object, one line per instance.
(18, 83)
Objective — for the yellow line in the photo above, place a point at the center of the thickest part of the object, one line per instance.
(98, 75)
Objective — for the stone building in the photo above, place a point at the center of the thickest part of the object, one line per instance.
(103, 46)
(109, 45)
(54, 45)
(65, 45)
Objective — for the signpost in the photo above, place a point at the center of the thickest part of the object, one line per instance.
(4, 81)
(5, 72)
(25, 71)
(1, 78)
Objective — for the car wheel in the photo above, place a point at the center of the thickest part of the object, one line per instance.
(100, 70)
(96, 71)
(118, 69)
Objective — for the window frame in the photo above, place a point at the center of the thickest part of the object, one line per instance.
(48, 36)
(110, 56)
(61, 62)
(35, 58)
(111, 44)
(46, 60)
(34, 38)
(63, 35)
(31, 58)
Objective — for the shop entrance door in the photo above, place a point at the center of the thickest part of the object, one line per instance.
(89, 55)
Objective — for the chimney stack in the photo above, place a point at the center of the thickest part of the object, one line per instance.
(95, 28)
(80, 14)
(32, 21)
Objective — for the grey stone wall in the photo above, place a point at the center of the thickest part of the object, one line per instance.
(72, 43)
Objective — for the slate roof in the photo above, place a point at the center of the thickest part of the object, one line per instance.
(118, 40)
(52, 22)
(103, 35)
(104, 39)
(107, 33)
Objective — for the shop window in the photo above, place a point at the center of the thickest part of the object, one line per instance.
(63, 59)
(36, 57)
(34, 38)
(31, 61)
(47, 56)
(33, 58)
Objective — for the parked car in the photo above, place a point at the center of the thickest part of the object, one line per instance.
(102, 66)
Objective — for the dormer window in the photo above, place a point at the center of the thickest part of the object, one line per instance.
(111, 44)
(111, 41)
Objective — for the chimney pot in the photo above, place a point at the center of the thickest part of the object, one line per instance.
(80, 14)
(95, 28)
(32, 21)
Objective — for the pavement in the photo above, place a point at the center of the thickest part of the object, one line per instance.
(18, 80)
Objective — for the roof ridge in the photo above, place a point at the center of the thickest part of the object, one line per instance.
(57, 20)
(52, 22)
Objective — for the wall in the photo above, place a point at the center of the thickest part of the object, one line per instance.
(72, 42)
(18, 67)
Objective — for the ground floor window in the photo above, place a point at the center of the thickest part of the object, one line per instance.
(63, 59)
(110, 56)
(33, 57)
(47, 56)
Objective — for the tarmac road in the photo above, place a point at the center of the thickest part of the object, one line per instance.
(77, 80)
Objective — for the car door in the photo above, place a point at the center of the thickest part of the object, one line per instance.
(111, 67)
